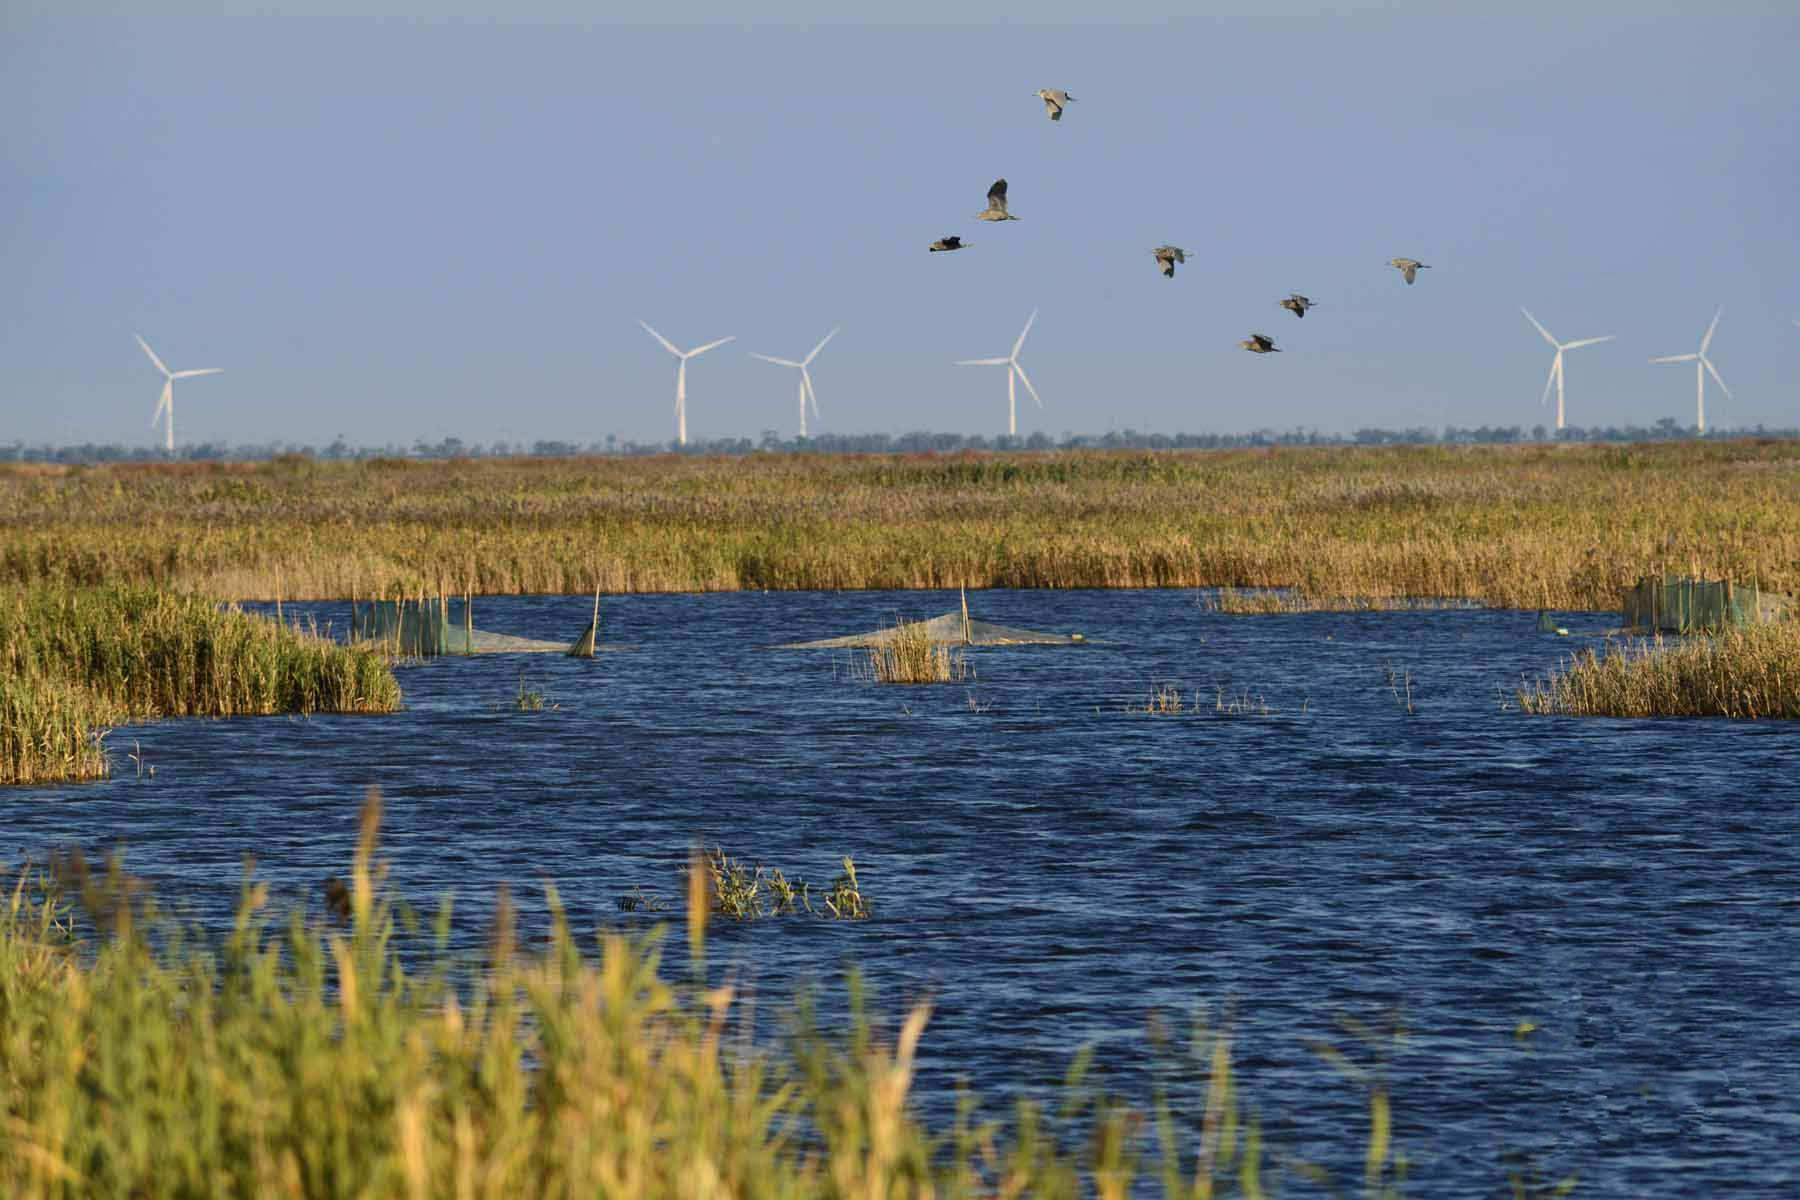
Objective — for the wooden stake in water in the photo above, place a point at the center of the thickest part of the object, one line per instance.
(468, 618)
(965, 610)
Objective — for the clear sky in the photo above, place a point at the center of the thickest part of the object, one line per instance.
(402, 220)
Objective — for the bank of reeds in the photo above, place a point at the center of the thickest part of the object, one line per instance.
(908, 655)
(74, 660)
(1557, 526)
(1748, 672)
(308, 1059)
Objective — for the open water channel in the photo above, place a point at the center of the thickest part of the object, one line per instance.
(1055, 870)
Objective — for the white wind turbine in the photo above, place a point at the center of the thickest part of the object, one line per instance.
(806, 384)
(165, 407)
(1556, 364)
(1013, 370)
(681, 376)
(1702, 366)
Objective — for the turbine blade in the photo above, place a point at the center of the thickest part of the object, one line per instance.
(163, 401)
(667, 344)
(1588, 342)
(201, 371)
(1026, 380)
(699, 350)
(1540, 328)
(1677, 358)
(1551, 382)
(1714, 372)
(1706, 341)
(151, 353)
(786, 362)
(1021, 342)
(806, 382)
(821, 345)
(982, 362)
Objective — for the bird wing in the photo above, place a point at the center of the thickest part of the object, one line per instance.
(997, 196)
(1411, 271)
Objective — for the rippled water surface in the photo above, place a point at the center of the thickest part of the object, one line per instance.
(1053, 867)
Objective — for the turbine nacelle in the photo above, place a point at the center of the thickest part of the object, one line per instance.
(1015, 370)
(806, 383)
(165, 404)
(681, 375)
(1702, 368)
(1556, 364)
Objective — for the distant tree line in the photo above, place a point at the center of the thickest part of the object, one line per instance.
(919, 442)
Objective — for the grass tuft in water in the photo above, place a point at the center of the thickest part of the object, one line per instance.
(1749, 673)
(910, 656)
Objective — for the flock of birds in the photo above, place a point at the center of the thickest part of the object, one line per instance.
(1055, 100)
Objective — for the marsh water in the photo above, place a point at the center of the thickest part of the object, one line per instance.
(1356, 824)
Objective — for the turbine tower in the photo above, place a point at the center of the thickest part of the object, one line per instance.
(681, 376)
(165, 407)
(1702, 366)
(1556, 364)
(1013, 370)
(806, 384)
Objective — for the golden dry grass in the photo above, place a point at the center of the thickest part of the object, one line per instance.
(1562, 526)
(1750, 673)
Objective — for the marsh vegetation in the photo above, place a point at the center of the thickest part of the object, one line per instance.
(1560, 526)
(1746, 672)
(74, 660)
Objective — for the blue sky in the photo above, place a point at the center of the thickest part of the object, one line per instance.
(395, 221)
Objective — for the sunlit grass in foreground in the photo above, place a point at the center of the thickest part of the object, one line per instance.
(306, 1059)
(1748, 672)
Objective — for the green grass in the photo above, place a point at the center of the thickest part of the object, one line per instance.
(75, 660)
(304, 1058)
(1750, 673)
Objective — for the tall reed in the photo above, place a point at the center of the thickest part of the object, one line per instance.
(1748, 672)
(1560, 526)
(75, 660)
(305, 1058)
(908, 655)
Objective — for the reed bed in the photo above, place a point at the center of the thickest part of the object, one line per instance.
(747, 892)
(1750, 672)
(910, 656)
(74, 660)
(1558, 526)
(303, 1058)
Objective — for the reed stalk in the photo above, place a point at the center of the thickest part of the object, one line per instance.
(305, 1056)
(1750, 673)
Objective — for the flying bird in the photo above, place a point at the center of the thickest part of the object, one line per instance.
(1167, 257)
(1409, 267)
(996, 209)
(1054, 99)
(1297, 304)
(946, 243)
(1260, 343)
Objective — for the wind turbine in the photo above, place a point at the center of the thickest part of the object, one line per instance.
(1013, 370)
(1702, 366)
(1556, 364)
(806, 385)
(681, 376)
(165, 407)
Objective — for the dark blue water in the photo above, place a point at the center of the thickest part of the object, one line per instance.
(1054, 869)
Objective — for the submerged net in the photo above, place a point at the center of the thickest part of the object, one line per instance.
(1671, 604)
(951, 629)
(425, 631)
